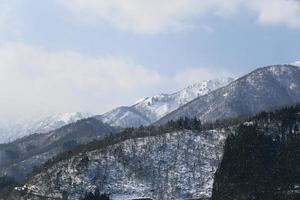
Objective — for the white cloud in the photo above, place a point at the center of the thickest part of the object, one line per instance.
(35, 82)
(134, 15)
(190, 76)
(155, 16)
(277, 12)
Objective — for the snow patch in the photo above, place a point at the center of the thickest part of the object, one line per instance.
(297, 63)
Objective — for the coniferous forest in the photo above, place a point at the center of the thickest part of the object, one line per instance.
(262, 159)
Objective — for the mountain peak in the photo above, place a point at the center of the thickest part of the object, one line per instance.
(68, 117)
(150, 109)
(264, 88)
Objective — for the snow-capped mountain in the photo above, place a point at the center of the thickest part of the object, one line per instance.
(151, 109)
(10, 132)
(264, 88)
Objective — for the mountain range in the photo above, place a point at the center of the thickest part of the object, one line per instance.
(264, 88)
(148, 110)
(171, 160)
(143, 112)
(39, 141)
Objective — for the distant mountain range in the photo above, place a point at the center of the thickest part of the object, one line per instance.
(264, 88)
(208, 100)
(148, 110)
(12, 131)
(143, 112)
(18, 158)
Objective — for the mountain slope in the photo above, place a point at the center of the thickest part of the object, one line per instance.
(21, 156)
(13, 131)
(171, 165)
(264, 88)
(150, 109)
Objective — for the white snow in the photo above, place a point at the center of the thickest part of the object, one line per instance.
(12, 131)
(151, 109)
(296, 63)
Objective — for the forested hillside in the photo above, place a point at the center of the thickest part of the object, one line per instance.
(262, 159)
(176, 161)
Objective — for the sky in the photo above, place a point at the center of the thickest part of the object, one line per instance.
(93, 55)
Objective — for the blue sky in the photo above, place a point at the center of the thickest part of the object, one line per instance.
(93, 55)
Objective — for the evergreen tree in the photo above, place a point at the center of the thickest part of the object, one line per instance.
(96, 196)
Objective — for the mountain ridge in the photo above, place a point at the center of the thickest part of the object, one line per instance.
(18, 130)
(234, 99)
(21, 156)
(148, 110)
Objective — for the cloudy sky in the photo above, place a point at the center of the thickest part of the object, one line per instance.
(92, 55)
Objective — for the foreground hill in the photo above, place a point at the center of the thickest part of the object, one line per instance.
(264, 88)
(21, 156)
(262, 159)
(152, 162)
(150, 109)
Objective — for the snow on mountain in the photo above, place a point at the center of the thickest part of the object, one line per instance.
(297, 63)
(150, 109)
(175, 165)
(56, 121)
(19, 157)
(264, 88)
(10, 132)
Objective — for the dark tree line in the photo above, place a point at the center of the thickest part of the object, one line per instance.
(259, 163)
(96, 196)
(186, 123)
(6, 185)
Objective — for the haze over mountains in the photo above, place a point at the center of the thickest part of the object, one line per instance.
(143, 112)
(12, 131)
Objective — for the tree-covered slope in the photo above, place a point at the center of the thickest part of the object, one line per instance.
(262, 159)
(170, 162)
(18, 158)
